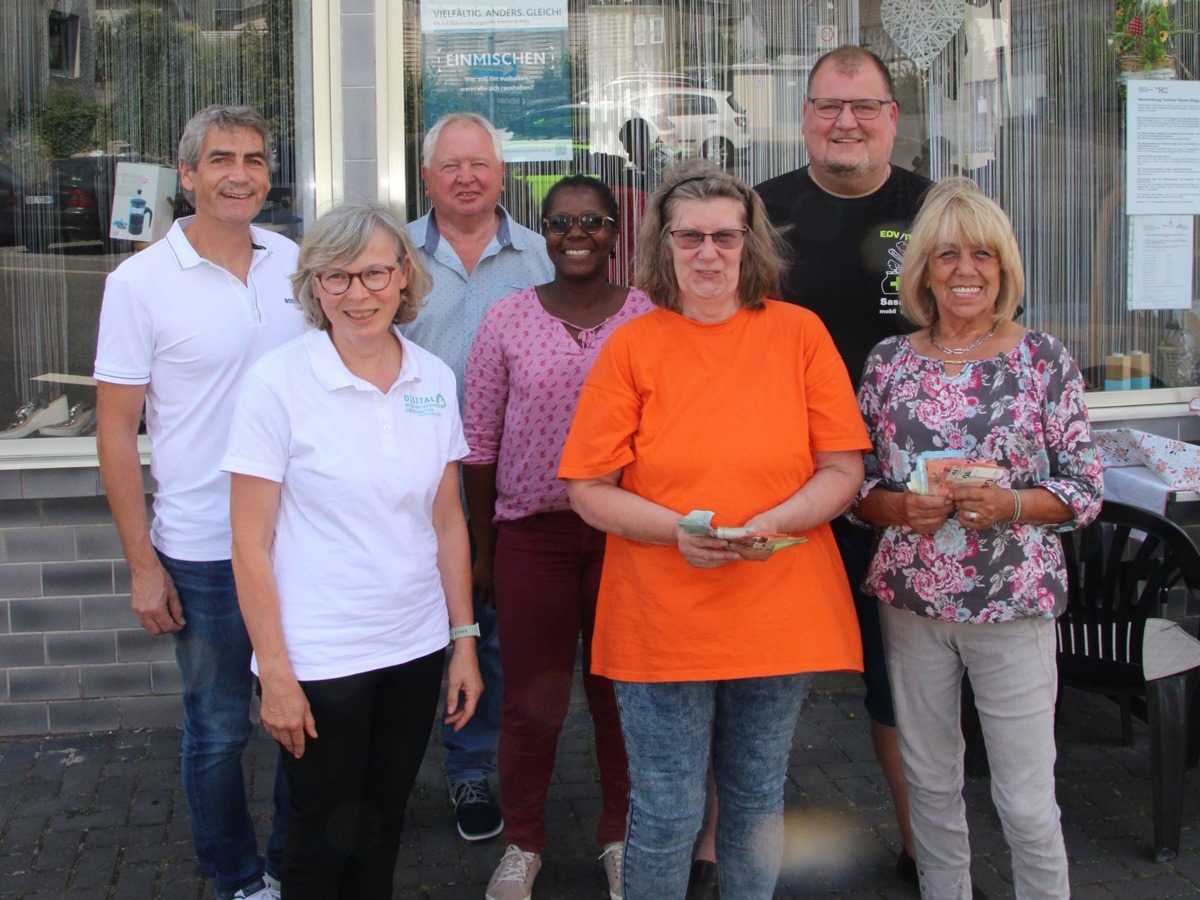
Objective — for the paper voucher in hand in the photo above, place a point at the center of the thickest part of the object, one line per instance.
(699, 521)
(936, 470)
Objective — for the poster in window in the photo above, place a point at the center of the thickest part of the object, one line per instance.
(1160, 262)
(1162, 144)
(507, 61)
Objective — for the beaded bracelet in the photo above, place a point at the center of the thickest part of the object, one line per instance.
(1016, 506)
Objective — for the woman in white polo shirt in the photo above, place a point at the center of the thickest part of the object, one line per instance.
(350, 551)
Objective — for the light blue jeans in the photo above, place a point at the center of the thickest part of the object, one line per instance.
(1015, 678)
(213, 653)
(669, 727)
(471, 753)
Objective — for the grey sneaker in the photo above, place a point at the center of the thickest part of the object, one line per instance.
(513, 878)
(476, 810)
(613, 858)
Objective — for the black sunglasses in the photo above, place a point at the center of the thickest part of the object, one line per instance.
(590, 222)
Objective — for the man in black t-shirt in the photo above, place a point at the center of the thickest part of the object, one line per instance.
(847, 216)
(849, 213)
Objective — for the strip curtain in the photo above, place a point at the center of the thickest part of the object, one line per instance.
(1024, 98)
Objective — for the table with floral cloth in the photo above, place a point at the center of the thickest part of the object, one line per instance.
(1148, 470)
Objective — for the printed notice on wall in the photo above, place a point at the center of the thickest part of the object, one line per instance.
(506, 61)
(1160, 262)
(1162, 144)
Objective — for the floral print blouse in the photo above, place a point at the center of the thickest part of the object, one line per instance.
(1024, 410)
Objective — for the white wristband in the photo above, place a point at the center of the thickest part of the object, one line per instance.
(462, 631)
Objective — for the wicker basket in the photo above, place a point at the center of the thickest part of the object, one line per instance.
(1133, 66)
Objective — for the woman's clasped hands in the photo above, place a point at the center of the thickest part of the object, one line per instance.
(974, 507)
(705, 552)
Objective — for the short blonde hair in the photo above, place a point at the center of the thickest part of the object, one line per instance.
(342, 234)
(955, 211)
(764, 254)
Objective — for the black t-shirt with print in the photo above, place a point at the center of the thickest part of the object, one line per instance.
(846, 255)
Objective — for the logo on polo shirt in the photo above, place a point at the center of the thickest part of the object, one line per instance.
(431, 405)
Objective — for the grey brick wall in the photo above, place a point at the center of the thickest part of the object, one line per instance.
(72, 654)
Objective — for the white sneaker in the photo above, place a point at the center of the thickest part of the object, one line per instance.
(614, 865)
(257, 891)
(274, 885)
(513, 878)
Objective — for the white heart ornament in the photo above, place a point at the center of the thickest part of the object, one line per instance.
(922, 28)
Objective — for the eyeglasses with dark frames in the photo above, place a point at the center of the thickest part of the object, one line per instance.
(726, 238)
(373, 278)
(863, 108)
(590, 222)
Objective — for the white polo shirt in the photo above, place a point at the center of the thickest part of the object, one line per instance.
(355, 554)
(189, 330)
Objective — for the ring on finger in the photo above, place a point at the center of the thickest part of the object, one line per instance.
(973, 516)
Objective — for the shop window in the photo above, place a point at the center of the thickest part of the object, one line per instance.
(1024, 96)
(63, 44)
(141, 71)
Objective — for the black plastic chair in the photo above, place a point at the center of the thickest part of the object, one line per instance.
(1121, 569)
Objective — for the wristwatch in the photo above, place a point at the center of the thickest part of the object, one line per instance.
(461, 631)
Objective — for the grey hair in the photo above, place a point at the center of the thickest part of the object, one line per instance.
(435, 132)
(339, 236)
(227, 118)
(764, 254)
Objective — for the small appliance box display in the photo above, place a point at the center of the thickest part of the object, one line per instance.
(142, 200)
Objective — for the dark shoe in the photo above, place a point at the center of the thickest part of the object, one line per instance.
(476, 810)
(702, 882)
(906, 869)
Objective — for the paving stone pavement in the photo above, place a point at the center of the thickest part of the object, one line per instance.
(103, 816)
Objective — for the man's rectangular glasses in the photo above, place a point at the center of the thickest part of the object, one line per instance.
(590, 222)
(373, 278)
(726, 238)
(831, 107)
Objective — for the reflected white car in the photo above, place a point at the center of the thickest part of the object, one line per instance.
(616, 129)
(708, 123)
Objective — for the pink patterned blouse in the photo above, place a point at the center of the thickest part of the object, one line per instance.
(523, 378)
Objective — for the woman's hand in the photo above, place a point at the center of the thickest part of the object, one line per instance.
(464, 683)
(762, 524)
(925, 513)
(285, 713)
(704, 552)
(982, 506)
(922, 513)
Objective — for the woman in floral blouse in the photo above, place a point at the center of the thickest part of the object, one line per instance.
(971, 577)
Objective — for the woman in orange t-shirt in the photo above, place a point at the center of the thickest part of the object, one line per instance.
(719, 400)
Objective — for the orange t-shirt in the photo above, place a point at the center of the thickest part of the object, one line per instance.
(723, 417)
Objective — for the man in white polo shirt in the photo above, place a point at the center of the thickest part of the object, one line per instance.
(180, 324)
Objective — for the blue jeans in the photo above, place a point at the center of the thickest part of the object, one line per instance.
(213, 653)
(669, 727)
(857, 546)
(471, 753)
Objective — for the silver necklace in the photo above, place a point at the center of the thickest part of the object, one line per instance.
(959, 351)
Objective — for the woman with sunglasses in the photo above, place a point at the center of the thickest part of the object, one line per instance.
(724, 402)
(539, 561)
(350, 551)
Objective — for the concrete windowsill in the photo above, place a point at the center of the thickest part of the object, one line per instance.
(57, 453)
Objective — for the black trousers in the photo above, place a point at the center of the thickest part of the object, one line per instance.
(351, 786)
